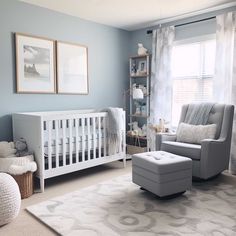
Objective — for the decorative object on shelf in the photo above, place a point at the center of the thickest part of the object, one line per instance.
(138, 108)
(133, 69)
(160, 127)
(142, 68)
(10, 200)
(137, 93)
(72, 68)
(143, 109)
(35, 64)
(142, 50)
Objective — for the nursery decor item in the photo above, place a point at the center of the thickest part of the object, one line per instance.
(7, 149)
(25, 183)
(142, 68)
(21, 148)
(21, 169)
(72, 68)
(142, 50)
(10, 200)
(118, 207)
(137, 93)
(35, 64)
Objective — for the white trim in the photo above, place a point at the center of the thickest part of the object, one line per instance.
(196, 39)
(188, 15)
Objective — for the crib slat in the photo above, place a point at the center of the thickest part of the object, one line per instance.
(83, 140)
(49, 144)
(70, 140)
(56, 143)
(88, 137)
(94, 137)
(99, 137)
(105, 135)
(76, 141)
(64, 141)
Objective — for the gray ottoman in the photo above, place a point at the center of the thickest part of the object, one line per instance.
(162, 173)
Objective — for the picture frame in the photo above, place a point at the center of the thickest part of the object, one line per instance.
(35, 64)
(142, 67)
(72, 68)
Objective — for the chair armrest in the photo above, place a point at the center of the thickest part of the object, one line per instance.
(161, 137)
(213, 141)
(214, 156)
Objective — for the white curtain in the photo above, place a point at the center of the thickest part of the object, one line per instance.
(225, 72)
(161, 81)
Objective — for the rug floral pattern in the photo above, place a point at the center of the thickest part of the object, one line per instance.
(118, 207)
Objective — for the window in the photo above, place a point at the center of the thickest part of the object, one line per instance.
(193, 65)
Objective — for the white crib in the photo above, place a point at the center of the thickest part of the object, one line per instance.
(67, 141)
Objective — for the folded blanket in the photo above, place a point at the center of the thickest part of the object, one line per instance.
(198, 114)
(18, 165)
(114, 128)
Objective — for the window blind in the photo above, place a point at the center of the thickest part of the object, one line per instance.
(193, 66)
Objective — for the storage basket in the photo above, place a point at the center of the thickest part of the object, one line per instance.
(131, 149)
(25, 183)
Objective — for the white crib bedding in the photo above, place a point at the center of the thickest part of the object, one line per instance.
(91, 140)
(67, 135)
(73, 147)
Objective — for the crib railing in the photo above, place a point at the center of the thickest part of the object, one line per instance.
(77, 138)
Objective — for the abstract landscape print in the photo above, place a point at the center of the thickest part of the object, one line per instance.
(35, 64)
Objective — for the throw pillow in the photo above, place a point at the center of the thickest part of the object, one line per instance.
(187, 133)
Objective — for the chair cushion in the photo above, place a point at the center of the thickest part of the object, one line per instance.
(192, 151)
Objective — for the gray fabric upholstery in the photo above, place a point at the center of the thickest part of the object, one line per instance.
(198, 114)
(162, 173)
(213, 156)
(192, 151)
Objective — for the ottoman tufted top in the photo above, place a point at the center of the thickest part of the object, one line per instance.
(161, 162)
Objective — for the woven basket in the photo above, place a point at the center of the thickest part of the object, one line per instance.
(25, 182)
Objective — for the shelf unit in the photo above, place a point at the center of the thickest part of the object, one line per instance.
(139, 75)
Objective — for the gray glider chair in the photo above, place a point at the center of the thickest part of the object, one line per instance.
(211, 157)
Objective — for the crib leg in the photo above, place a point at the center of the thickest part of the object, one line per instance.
(41, 184)
(124, 161)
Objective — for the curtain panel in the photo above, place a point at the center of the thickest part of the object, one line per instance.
(224, 86)
(161, 81)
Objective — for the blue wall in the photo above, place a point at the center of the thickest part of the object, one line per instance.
(108, 52)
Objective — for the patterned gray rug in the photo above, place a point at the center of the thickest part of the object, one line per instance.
(118, 207)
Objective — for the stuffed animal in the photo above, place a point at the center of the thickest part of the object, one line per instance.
(21, 148)
(7, 149)
(141, 49)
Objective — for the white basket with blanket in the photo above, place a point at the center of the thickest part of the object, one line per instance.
(20, 167)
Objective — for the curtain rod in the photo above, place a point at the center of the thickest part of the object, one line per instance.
(188, 23)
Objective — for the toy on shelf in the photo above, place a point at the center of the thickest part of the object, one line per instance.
(160, 127)
(142, 50)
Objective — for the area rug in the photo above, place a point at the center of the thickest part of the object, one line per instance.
(118, 207)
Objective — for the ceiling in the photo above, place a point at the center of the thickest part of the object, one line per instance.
(127, 14)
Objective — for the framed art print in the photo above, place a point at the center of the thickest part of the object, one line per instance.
(72, 68)
(35, 64)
